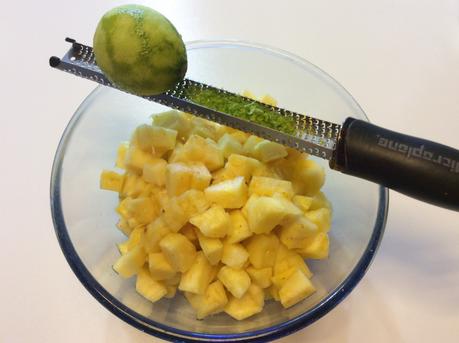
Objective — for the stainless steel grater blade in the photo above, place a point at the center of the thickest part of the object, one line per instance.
(314, 136)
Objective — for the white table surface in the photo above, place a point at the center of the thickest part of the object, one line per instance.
(399, 59)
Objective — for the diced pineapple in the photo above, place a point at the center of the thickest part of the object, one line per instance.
(321, 217)
(268, 100)
(269, 186)
(291, 261)
(171, 291)
(183, 176)
(211, 247)
(134, 186)
(121, 155)
(161, 197)
(173, 281)
(179, 251)
(136, 158)
(267, 151)
(240, 136)
(250, 144)
(142, 137)
(124, 226)
(177, 155)
(239, 229)
(193, 202)
(240, 165)
(229, 145)
(189, 231)
(261, 277)
(318, 201)
(296, 231)
(149, 288)
(234, 255)
(236, 281)
(130, 263)
(206, 151)
(249, 94)
(111, 181)
(262, 250)
(308, 176)
(302, 202)
(155, 172)
(273, 292)
(160, 268)
(143, 210)
(264, 213)
(174, 216)
(315, 247)
(197, 278)
(135, 238)
(174, 120)
(295, 289)
(214, 222)
(266, 171)
(211, 302)
(229, 193)
(163, 138)
(206, 128)
(156, 231)
(291, 211)
(251, 303)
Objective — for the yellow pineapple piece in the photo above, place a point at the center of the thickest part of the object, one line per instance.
(156, 137)
(234, 255)
(268, 100)
(249, 94)
(302, 202)
(229, 145)
(159, 266)
(240, 165)
(264, 213)
(135, 238)
(261, 277)
(229, 193)
(134, 186)
(179, 251)
(198, 277)
(249, 145)
(174, 120)
(295, 289)
(267, 151)
(111, 181)
(308, 177)
(148, 287)
(213, 223)
(206, 151)
(121, 155)
(193, 202)
(156, 231)
(171, 291)
(293, 234)
(183, 176)
(174, 216)
(251, 303)
(240, 136)
(236, 281)
(173, 281)
(239, 228)
(211, 302)
(321, 217)
(136, 158)
(267, 186)
(130, 263)
(211, 247)
(155, 172)
(315, 247)
(124, 226)
(273, 292)
(290, 262)
(318, 201)
(143, 210)
(206, 128)
(189, 231)
(262, 250)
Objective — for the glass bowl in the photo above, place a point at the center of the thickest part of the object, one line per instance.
(84, 216)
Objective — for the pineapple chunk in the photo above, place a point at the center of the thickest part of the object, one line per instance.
(189, 231)
(229, 145)
(240, 136)
(239, 228)
(179, 251)
(174, 216)
(321, 217)
(315, 247)
(134, 186)
(174, 120)
(261, 277)
(250, 144)
(142, 137)
(163, 138)
(160, 268)
(273, 292)
(249, 94)
(213, 223)
(251, 303)
(136, 158)
(171, 291)
(240, 165)
(268, 100)
(156, 231)
(211, 302)
(308, 176)
(293, 234)
(291, 261)
(130, 263)
(234, 255)
(236, 281)
(264, 213)
(267, 151)
(121, 155)
(267, 186)
(211, 247)
(173, 281)
(155, 172)
(302, 202)
(181, 177)
(198, 277)
(193, 202)
(149, 288)
(206, 151)
(262, 250)
(124, 226)
(228, 194)
(135, 238)
(206, 128)
(295, 289)
(143, 210)
(111, 181)
(318, 201)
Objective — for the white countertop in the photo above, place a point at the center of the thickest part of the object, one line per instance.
(399, 59)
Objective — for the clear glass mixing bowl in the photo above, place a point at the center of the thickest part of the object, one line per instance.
(84, 216)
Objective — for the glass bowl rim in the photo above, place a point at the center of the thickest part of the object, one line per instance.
(170, 333)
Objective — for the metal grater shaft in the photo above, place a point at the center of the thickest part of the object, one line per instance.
(314, 136)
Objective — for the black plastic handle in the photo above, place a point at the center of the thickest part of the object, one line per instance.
(416, 167)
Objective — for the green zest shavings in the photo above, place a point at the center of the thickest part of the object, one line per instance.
(239, 107)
